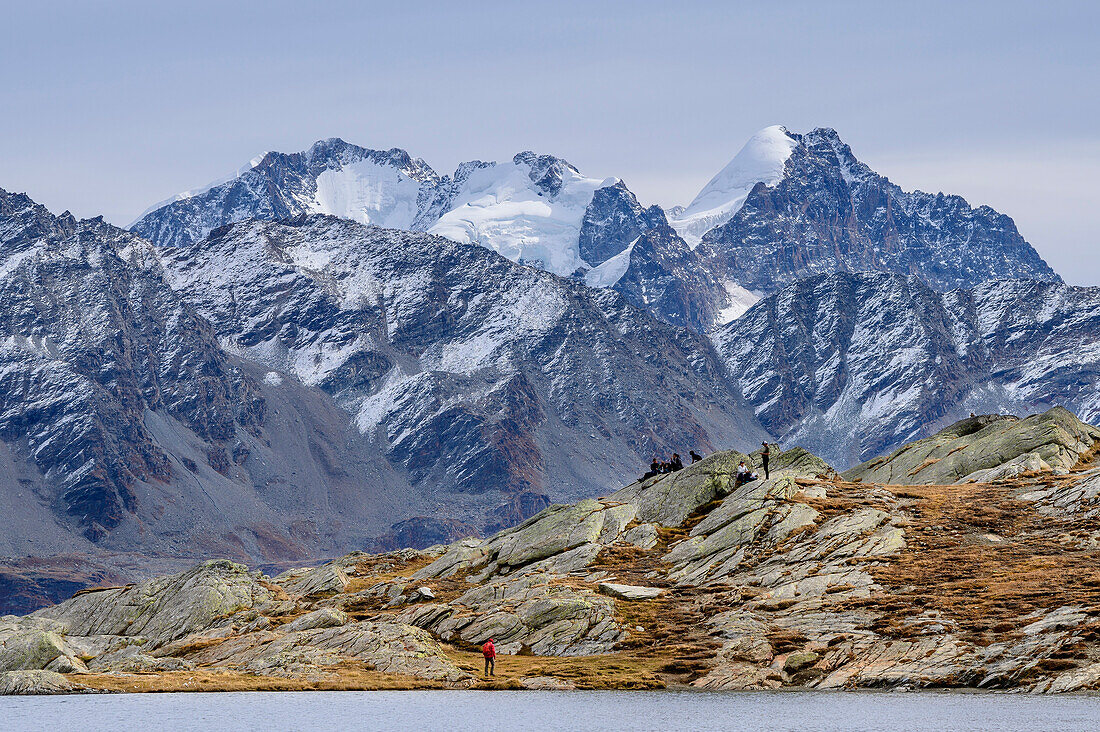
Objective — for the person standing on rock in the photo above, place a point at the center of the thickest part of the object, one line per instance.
(489, 650)
(764, 455)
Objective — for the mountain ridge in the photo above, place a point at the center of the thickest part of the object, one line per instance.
(787, 206)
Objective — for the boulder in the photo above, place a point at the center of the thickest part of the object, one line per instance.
(795, 462)
(325, 617)
(970, 447)
(30, 644)
(795, 662)
(643, 536)
(1029, 463)
(553, 531)
(669, 499)
(629, 592)
(462, 555)
(165, 608)
(421, 594)
(35, 682)
(326, 579)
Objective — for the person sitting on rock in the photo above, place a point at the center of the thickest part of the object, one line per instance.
(489, 650)
(695, 457)
(676, 464)
(744, 475)
(654, 469)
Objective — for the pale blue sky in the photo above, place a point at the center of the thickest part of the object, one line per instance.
(111, 106)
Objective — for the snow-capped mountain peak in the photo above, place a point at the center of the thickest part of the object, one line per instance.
(530, 211)
(384, 187)
(761, 160)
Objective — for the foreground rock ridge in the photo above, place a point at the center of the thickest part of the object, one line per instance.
(965, 560)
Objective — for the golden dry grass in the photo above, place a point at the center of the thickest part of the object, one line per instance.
(622, 670)
(985, 560)
(347, 678)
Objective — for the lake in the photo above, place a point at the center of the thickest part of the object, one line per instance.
(485, 711)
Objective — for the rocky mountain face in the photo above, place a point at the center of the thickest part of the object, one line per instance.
(805, 580)
(852, 365)
(93, 339)
(387, 188)
(126, 425)
(829, 212)
(479, 377)
(286, 390)
(536, 210)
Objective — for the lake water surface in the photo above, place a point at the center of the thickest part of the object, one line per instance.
(487, 711)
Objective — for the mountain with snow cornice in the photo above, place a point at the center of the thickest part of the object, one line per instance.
(536, 209)
(792, 206)
(385, 188)
(763, 159)
(852, 365)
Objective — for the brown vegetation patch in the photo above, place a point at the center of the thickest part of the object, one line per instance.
(604, 671)
(348, 676)
(984, 560)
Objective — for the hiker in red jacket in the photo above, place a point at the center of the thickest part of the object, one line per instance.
(490, 652)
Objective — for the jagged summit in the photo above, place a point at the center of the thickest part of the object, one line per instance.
(786, 207)
(761, 160)
(823, 210)
(383, 187)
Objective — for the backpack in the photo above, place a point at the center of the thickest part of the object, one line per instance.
(487, 650)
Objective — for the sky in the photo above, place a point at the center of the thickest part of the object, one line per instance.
(109, 107)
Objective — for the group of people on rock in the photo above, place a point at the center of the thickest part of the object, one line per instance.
(745, 474)
(658, 467)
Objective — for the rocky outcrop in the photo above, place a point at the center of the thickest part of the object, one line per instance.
(216, 615)
(805, 579)
(530, 612)
(983, 449)
(35, 682)
(164, 609)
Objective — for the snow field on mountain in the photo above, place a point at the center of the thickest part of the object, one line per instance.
(740, 300)
(501, 208)
(761, 160)
(369, 193)
(611, 271)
